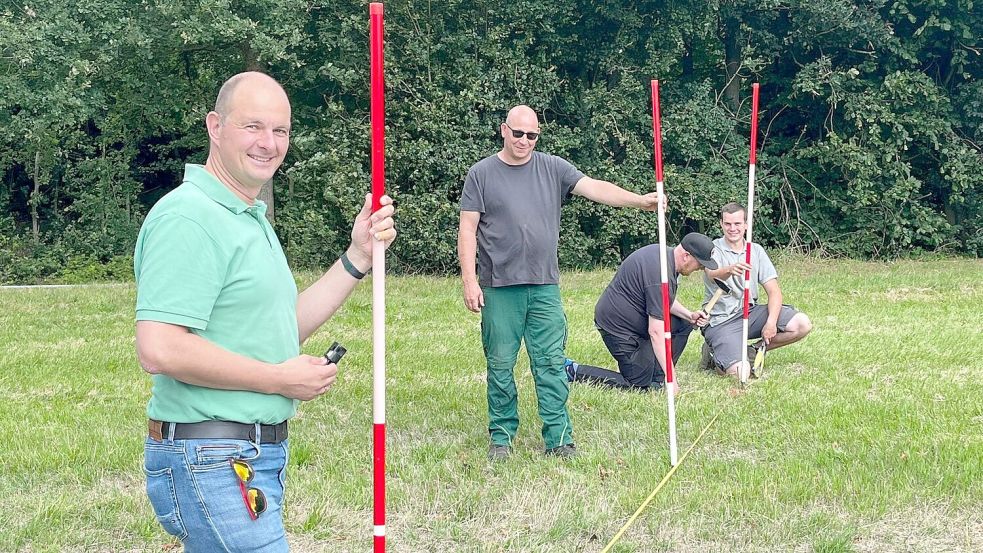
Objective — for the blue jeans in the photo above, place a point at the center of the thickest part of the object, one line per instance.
(196, 497)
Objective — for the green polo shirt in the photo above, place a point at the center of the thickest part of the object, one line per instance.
(208, 261)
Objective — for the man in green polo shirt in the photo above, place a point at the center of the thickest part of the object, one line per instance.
(219, 328)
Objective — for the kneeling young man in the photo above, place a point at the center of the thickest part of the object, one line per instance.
(775, 324)
(629, 314)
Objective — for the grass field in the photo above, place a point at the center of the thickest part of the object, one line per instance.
(867, 436)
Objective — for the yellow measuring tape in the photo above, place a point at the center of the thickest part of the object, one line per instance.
(665, 479)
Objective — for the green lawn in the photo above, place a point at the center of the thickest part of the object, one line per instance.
(864, 437)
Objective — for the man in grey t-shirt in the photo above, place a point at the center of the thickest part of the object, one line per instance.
(776, 324)
(510, 221)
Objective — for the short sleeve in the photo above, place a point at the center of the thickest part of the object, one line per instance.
(718, 256)
(569, 176)
(180, 272)
(766, 269)
(471, 197)
(653, 301)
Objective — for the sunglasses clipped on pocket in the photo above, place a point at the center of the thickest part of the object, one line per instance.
(254, 498)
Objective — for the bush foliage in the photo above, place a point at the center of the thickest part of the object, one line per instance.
(871, 123)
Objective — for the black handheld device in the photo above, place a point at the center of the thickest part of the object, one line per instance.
(335, 353)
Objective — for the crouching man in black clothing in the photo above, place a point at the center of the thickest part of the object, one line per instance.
(629, 315)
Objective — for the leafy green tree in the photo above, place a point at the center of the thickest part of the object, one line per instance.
(871, 119)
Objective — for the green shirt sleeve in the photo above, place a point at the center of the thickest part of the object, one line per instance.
(180, 272)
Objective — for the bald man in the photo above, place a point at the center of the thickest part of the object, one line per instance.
(220, 325)
(510, 220)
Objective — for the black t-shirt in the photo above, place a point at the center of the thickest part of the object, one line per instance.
(635, 293)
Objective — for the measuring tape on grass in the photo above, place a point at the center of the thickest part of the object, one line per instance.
(665, 479)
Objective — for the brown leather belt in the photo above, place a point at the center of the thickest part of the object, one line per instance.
(269, 433)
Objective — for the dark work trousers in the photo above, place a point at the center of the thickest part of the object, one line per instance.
(636, 359)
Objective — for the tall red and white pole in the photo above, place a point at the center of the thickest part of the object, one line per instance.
(377, 112)
(670, 378)
(745, 369)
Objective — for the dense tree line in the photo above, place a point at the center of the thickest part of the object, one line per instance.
(871, 141)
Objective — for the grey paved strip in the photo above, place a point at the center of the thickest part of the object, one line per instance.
(43, 286)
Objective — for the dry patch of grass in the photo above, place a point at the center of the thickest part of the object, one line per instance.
(927, 528)
(909, 294)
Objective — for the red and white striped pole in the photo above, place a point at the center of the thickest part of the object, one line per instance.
(745, 370)
(670, 379)
(377, 112)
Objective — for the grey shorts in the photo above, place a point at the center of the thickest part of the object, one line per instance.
(725, 338)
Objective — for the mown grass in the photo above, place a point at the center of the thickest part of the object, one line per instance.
(867, 436)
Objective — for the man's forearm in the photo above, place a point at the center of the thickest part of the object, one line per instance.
(175, 352)
(720, 273)
(321, 300)
(467, 249)
(680, 310)
(608, 193)
(657, 335)
(774, 308)
(774, 302)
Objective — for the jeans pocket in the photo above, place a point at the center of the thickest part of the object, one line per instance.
(219, 453)
(163, 498)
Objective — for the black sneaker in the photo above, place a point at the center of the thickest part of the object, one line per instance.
(570, 366)
(499, 452)
(706, 357)
(567, 451)
(655, 386)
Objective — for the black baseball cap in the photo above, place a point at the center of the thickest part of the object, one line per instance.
(700, 247)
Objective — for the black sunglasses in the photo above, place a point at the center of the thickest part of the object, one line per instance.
(520, 134)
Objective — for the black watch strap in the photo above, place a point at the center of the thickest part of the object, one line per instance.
(352, 270)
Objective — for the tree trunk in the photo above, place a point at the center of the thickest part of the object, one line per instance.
(36, 198)
(249, 58)
(729, 34)
(266, 195)
(686, 64)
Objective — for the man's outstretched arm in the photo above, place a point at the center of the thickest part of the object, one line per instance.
(608, 193)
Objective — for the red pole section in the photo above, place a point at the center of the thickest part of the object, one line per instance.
(663, 253)
(378, 121)
(745, 370)
(754, 122)
(657, 133)
(378, 104)
(657, 130)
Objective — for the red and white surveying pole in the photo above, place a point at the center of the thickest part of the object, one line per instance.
(670, 379)
(745, 369)
(377, 112)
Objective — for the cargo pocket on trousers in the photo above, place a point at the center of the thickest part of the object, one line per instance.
(163, 498)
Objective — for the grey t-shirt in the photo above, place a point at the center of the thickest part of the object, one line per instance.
(762, 270)
(519, 227)
(635, 293)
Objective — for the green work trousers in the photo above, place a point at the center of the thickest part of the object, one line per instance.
(534, 313)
